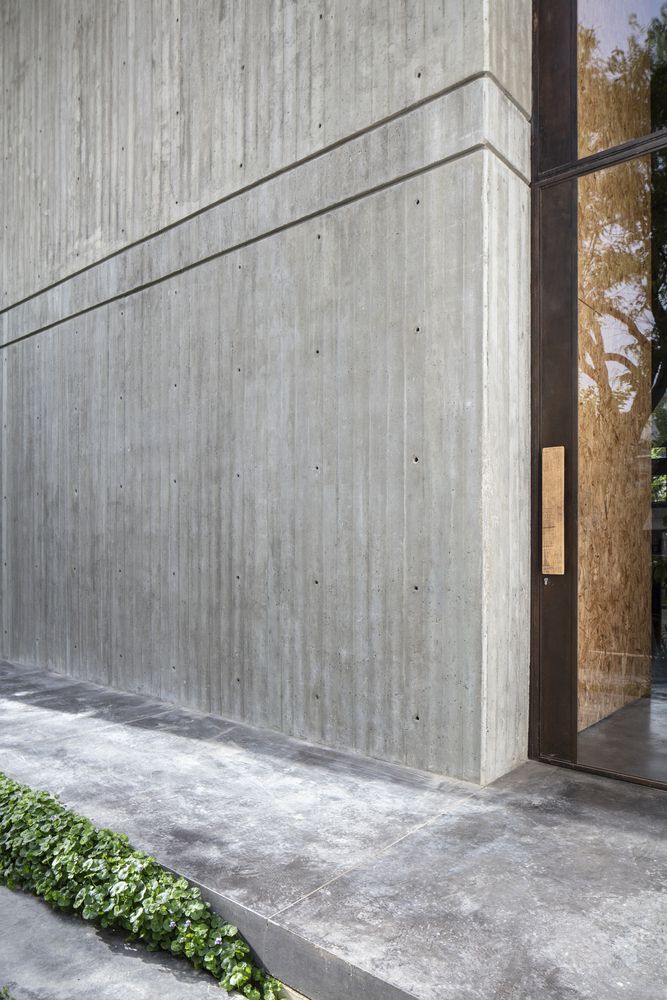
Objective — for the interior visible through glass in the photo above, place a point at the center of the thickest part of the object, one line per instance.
(622, 477)
(621, 71)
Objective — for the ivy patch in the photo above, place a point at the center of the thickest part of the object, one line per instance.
(75, 866)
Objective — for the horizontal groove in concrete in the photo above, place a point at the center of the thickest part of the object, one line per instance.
(476, 115)
(316, 155)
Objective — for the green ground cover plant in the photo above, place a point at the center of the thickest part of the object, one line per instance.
(75, 866)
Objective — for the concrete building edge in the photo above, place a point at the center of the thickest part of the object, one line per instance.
(498, 757)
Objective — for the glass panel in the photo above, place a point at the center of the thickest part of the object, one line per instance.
(622, 484)
(621, 71)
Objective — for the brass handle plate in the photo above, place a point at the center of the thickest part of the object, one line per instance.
(553, 511)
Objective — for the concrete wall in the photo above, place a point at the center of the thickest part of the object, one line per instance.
(265, 427)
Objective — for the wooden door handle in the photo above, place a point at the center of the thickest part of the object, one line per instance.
(553, 511)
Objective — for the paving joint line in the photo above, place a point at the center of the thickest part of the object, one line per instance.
(452, 810)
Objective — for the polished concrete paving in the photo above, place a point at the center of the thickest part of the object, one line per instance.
(356, 879)
(631, 741)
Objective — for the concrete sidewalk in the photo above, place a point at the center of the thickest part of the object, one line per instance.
(45, 955)
(355, 879)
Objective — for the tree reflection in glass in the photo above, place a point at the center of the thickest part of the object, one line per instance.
(622, 413)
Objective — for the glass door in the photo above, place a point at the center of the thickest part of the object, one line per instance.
(600, 590)
(622, 486)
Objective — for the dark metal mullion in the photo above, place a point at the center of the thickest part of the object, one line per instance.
(555, 638)
(553, 709)
(536, 489)
(574, 470)
(607, 158)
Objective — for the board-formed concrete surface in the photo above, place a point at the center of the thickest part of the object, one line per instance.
(264, 364)
(161, 109)
(358, 879)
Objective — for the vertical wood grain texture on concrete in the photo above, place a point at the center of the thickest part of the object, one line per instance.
(506, 471)
(288, 485)
(134, 113)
